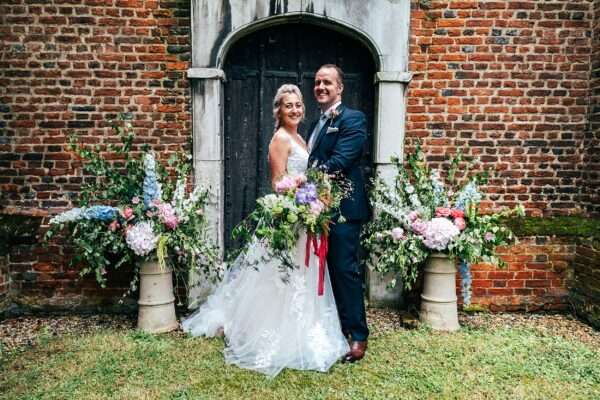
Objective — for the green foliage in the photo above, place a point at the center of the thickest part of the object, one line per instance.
(417, 213)
(175, 219)
(117, 181)
(97, 249)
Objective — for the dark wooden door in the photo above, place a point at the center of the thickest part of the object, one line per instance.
(255, 67)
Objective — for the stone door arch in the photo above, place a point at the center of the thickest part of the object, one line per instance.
(255, 66)
(380, 25)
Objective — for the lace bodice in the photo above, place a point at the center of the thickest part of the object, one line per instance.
(297, 159)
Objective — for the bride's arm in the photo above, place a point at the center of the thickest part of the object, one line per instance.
(279, 148)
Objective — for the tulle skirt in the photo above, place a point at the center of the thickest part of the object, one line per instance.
(273, 320)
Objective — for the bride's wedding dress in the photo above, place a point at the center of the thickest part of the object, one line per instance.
(270, 324)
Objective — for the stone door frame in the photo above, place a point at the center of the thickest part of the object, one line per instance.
(381, 25)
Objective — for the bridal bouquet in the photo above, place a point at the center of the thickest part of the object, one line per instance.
(142, 214)
(418, 213)
(306, 203)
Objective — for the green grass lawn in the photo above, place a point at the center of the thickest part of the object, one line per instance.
(474, 363)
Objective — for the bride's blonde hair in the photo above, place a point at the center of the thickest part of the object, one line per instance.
(288, 88)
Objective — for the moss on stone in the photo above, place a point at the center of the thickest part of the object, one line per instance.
(571, 226)
(475, 309)
(17, 229)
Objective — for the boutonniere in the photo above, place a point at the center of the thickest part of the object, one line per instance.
(333, 114)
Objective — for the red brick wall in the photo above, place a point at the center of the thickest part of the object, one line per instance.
(68, 66)
(65, 68)
(506, 81)
(585, 291)
(537, 276)
(592, 146)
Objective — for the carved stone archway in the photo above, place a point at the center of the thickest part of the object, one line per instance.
(381, 25)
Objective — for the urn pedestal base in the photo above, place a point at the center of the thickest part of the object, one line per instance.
(438, 300)
(156, 313)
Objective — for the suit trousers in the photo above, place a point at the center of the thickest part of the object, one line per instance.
(347, 278)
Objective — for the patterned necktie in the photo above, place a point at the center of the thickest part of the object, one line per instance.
(315, 132)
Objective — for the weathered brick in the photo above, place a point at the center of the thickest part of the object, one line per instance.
(520, 87)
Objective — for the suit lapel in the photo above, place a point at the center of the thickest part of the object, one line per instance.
(323, 131)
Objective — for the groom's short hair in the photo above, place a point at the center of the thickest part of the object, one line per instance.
(339, 71)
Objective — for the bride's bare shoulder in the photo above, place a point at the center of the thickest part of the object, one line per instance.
(281, 136)
(280, 139)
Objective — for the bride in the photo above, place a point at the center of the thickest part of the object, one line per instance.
(270, 324)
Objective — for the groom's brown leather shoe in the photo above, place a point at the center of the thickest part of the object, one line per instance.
(357, 351)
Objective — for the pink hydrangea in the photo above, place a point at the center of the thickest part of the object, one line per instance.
(418, 226)
(442, 212)
(141, 238)
(439, 233)
(167, 215)
(460, 223)
(285, 184)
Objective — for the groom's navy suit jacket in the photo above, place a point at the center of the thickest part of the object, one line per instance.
(338, 148)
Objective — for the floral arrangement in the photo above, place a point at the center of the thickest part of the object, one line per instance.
(308, 203)
(418, 213)
(146, 214)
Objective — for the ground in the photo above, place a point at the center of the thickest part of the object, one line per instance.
(512, 356)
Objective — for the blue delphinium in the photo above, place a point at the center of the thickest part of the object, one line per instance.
(74, 214)
(152, 189)
(440, 197)
(469, 194)
(465, 275)
(100, 213)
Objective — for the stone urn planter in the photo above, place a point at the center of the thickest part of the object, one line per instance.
(438, 300)
(156, 313)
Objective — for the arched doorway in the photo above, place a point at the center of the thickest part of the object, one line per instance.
(255, 66)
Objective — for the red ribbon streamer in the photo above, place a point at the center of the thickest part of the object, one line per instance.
(320, 250)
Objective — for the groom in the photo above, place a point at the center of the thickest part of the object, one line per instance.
(336, 145)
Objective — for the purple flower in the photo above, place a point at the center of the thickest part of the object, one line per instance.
(489, 236)
(306, 194)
